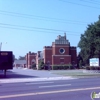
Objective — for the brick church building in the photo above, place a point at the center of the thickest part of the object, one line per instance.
(59, 53)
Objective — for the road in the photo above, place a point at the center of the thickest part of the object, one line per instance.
(74, 89)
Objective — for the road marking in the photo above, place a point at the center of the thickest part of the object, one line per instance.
(54, 86)
(49, 92)
(38, 83)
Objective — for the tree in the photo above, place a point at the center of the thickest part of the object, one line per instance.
(14, 57)
(33, 66)
(21, 58)
(41, 64)
(80, 61)
(90, 42)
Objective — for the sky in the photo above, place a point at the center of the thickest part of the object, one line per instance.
(29, 25)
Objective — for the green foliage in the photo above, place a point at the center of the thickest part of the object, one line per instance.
(61, 67)
(88, 68)
(80, 63)
(92, 68)
(90, 42)
(21, 58)
(41, 64)
(33, 66)
(55, 67)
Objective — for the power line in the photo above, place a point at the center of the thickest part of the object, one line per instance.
(78, 4)
(69, 22)
(35, 30)
(30, 27)
(16, 13)
(38, 28)
(45, 29)
(97, 3)
(41, 17)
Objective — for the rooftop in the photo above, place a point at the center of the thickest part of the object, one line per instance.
(20, 61)
(61, 40)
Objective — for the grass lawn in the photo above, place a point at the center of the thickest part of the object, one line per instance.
(76, 74)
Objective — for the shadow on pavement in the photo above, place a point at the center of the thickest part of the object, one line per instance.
(11, 74)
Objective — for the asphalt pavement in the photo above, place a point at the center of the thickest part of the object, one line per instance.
(27, 84)
(28, 73)
(79, 89)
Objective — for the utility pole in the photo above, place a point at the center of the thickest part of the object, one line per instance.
(0, 46)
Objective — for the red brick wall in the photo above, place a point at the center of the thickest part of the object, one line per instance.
(48, 55)
(29, 58)
(66, 55)
(73, 54)
(57, 47)
(56, 59)
(53, 50)
(66, 50)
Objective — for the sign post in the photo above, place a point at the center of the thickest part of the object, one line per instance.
(0, 46)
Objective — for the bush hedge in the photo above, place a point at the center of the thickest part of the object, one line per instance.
(61, 67)
(92, 68)
(33, 66)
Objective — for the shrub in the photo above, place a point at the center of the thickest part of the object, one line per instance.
(71, 67)
(55, 67)
(92, 68)
(66, 67)
(41, 65)
(99, 68)
(87, 68)
(45, 67)
(33, 66)
(96, 68)
(60, 67)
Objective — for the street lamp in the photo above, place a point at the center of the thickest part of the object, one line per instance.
(1, 45)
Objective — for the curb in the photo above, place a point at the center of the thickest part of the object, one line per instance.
(35, 79)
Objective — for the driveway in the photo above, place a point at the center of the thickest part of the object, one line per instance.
(28, 73)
